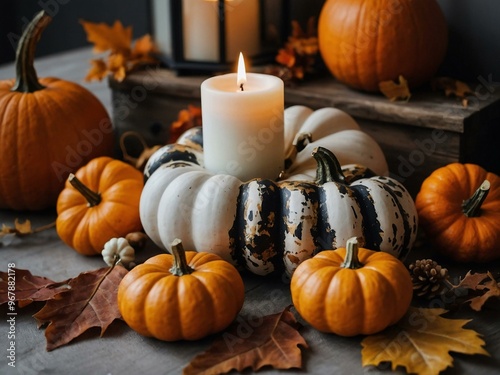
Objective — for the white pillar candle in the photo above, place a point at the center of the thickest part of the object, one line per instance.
(243, 129)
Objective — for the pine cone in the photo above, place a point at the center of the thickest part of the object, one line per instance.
(428, 278)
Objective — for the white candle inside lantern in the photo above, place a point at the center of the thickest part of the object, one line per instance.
(201, 28)
(243, 124)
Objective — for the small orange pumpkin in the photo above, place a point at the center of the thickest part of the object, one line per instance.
(186, 296)
(48, 128)
(351, 291)
(100, 202)
(459, 209)
(366, 42)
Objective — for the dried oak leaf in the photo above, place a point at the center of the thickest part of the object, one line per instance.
(492, 290)
(91, 302)
(472, 281)
(274, 343)
(394, 91)
(421, 342)
(29, 288)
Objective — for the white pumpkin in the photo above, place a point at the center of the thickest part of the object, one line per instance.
(267, 225)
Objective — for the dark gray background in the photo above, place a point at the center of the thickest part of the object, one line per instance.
(474, 48)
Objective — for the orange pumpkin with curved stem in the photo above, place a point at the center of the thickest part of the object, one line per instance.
(49, 127)
(351, 290)
(459, 209)
(184, 296)
(100, 202)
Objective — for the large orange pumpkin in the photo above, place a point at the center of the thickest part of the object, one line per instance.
(366, 42)
(48, 128)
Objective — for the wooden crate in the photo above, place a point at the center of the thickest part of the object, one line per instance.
(417, 137)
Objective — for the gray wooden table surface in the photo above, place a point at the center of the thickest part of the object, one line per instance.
(122, 351)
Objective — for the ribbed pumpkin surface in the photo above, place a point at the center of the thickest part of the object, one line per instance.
(364, 42)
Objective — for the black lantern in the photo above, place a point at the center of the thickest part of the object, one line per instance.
(207, 35)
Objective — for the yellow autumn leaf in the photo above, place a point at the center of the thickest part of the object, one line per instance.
(23, 228)
(394, 91)
(421, 342)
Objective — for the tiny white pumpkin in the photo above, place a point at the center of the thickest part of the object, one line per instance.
(118, 248)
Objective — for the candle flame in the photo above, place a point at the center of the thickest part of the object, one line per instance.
(242, 75)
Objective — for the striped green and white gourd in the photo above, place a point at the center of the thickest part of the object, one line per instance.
(267, 225)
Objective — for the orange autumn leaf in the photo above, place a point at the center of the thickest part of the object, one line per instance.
(298, 55)
(117, 65)
(98, 70)
(116, 38)
(453, 87)
(286, 58)
(122, 58)
(144, 47)
(187, 119)
(394, 91)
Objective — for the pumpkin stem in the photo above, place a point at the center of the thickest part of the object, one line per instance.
(351, 259)
(180, 266)
(91, 196)
(329, 169)
(472, 207)
(26, 77)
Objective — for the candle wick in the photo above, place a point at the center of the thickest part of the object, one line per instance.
(241, 87)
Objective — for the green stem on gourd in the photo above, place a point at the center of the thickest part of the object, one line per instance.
(328, 169)
(472, 206)
(26, 77)
(180, 266)
(91, 196)
(351, 259)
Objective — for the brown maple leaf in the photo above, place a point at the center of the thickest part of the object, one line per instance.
(91, 302)
(28, 288)
(274, 343)
(394, 91)
(421, 341)
(492, 289)
(471, 281)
